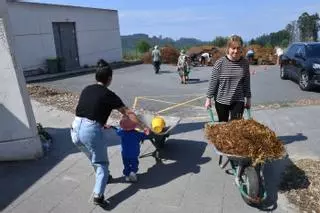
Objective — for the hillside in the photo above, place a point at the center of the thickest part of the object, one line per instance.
(129, 41)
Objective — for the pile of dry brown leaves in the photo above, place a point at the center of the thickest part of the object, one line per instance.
(246, 138)
(61, 99)
(301, 185)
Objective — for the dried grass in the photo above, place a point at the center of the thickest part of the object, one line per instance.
(246, 138)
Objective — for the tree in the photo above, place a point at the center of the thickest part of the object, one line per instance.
(252, 41)
(143, 46)
(285, 43)
(220, 41)
(272, 39)
(308, 26)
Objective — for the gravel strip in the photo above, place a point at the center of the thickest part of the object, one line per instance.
(301, 185)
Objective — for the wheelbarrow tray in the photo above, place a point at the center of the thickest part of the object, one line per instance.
(238, 158)
(158, 139)
(171, 122)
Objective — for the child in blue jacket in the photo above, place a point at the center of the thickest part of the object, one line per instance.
(130, 144)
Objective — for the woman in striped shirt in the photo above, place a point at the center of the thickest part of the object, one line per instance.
(230, 82)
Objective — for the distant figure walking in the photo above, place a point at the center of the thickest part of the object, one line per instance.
(250, 55)
(183, 67)
(279, 53)
(156, 59)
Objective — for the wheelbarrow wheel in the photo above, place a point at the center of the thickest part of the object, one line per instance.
(250, 186)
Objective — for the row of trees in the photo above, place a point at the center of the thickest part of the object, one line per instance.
(306, 28)
(309, 27)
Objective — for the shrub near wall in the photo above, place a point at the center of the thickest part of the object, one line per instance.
(169, 55)
(146, 58)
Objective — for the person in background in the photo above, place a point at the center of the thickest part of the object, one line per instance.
(183, 67)
(279, 53)
(92, 112)
(205, 57)
(229, 84)
(250, 55)
(156, 59)
(130, 147)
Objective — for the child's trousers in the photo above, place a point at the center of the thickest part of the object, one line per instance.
(130, 165)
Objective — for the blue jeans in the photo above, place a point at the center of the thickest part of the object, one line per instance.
(130, 165)
(87, 135)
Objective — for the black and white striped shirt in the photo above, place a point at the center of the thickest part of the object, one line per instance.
(230, 81)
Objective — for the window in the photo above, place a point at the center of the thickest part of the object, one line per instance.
(301, 51)
(292, 50)
(314, 51)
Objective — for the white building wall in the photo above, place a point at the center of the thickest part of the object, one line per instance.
(98, 33)
(18, 135)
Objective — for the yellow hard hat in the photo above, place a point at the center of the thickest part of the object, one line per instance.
(158, 124)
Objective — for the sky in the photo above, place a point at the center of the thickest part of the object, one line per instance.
(201, 19)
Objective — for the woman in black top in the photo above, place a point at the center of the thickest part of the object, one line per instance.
(94, 107)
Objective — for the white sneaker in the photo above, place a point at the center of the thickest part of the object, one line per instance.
(133, 177)
(127, 179)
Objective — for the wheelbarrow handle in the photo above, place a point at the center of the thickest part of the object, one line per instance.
(211, 115)
(249, 115)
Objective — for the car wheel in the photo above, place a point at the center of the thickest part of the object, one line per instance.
(283, 73)
(304, 82)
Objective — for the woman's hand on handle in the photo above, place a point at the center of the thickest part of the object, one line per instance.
(247, 103)
(208, 104)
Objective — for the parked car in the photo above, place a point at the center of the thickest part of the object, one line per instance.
(301, 63)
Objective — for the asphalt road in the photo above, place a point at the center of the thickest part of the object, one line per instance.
(139, 86)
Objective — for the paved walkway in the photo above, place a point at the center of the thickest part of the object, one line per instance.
(187, 181)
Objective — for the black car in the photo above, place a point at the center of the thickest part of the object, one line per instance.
(301, 63)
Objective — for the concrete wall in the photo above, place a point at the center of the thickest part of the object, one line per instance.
(98, 33)
(18, 134)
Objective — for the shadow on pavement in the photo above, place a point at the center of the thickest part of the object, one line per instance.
(272, 176)
(287, 139)
(188, 127)
(314, 90)
(179, 157)
(17, 176)
(165, 72)
(196, 81)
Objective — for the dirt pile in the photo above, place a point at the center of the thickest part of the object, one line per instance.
(214, 51)
(169, 55)
(263, 55)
